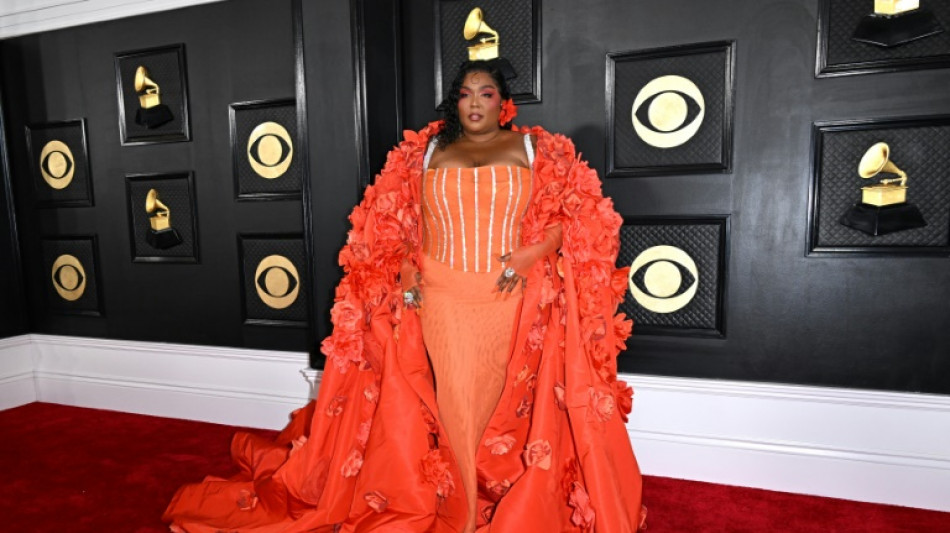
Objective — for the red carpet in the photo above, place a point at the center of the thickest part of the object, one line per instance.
(68, 469)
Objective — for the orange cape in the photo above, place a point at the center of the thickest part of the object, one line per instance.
(369, 454)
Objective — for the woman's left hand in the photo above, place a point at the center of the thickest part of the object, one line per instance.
(515, 268)
(518, 263)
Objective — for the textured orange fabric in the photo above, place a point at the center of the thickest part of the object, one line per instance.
(473, 215)
(467, 327)
(470, 217)
(370, 453)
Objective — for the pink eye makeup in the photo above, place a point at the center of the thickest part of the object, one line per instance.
(489, 93)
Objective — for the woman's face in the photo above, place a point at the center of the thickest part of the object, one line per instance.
(479, 103)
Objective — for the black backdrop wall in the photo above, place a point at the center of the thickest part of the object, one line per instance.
(854, 321)
(333, 141)
(13, 319)
(236, 51)
(868, 322)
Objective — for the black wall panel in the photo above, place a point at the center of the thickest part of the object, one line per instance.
(13, 319)
(351, 63)
(334, 185)
(869, 322)
(235, 51)
(378, 62)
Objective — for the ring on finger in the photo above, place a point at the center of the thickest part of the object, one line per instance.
(509, 273)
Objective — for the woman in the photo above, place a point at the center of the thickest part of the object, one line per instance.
(471, 374)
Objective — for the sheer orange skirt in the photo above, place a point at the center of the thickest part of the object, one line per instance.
(467, 327)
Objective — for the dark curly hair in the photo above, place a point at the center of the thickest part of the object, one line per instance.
(449, 107)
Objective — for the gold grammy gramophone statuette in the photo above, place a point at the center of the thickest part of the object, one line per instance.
(487, 47)
(152, 113)
(161, 234)
(895, 22)
(883, 207)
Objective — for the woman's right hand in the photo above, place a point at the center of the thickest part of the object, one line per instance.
(411, 278)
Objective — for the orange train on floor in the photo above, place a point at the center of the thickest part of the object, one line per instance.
(371, 454)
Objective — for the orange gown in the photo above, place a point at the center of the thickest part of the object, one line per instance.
(470, 217)
(377, 451)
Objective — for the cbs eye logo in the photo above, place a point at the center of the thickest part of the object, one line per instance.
(69, 277)
(663, 279)
(277, 282)
(57, 164)
(668, 111)
(270, 150)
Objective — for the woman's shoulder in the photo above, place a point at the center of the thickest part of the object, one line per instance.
(536, 133)
(520, 136)
(510, 136)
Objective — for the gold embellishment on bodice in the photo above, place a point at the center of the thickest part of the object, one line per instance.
(473, 215)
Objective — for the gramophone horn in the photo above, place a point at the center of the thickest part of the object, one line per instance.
(144, 84)
(475, 24)
(140, 75)
(877, 160)
(873, 160)
(152, 203)
(150, 200)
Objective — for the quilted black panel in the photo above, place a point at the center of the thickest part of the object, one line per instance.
(844, 16)
(921, 151)
(83, 249)
(708, 71)
(253, 250)
(175, 191)
(250, 184)
(512, 19)
(72, 134)
(703, 241)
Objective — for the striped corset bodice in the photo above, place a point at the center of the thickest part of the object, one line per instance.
(473, 215)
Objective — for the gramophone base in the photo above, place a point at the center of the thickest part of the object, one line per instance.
(163, 238)
(880, 220)
(894, 30)
(153, 117)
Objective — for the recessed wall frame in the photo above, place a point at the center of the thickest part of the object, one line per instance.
(839, 54)
(163, 218)
(264, 150)
(152, 89)
(274, 286)
(518, 23)
(677, 280)
(59, 162)
(70, 266)
(917, 146)
(670, 110)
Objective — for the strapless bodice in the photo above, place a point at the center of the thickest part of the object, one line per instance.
(473, 215)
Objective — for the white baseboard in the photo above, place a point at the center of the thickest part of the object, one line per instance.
(33, 16)
(255, 388)
(16, 372)
(871, 446)
(860, 445)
